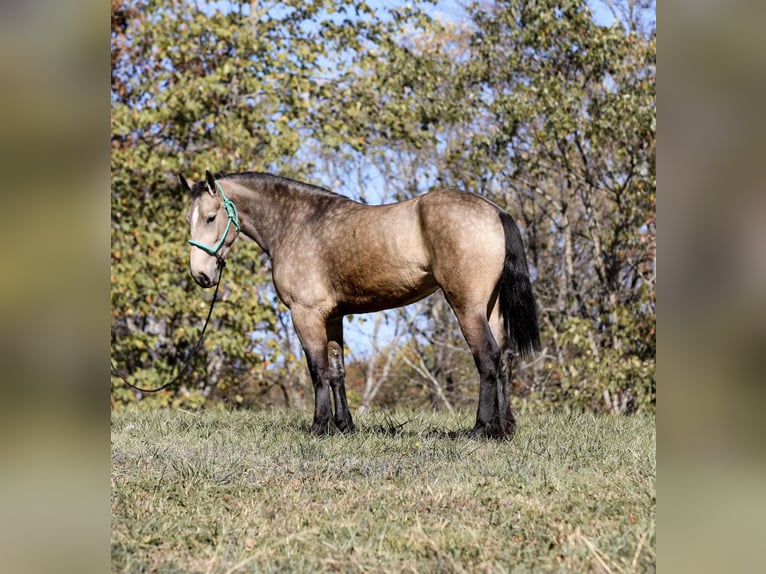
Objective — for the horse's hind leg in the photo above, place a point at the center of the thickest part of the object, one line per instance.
(507, 420)
(486, 355)
(343, 419)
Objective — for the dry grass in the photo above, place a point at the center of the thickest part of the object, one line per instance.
(254, 492)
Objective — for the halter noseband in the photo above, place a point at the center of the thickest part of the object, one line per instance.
(231, 211)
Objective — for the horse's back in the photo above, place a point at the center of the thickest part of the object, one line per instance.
(446, 201)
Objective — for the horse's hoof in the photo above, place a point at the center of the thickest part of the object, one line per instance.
(346, 427)
(321, 428)
(494, 430)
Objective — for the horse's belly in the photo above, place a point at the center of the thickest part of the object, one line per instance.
(378, 289)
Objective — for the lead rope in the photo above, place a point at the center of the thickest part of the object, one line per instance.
(193, 352)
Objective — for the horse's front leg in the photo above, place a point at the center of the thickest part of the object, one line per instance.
(310, 327)
(343, 419)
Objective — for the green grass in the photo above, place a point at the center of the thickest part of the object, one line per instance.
(226, 492)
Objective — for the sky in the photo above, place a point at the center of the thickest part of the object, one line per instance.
(358, 334)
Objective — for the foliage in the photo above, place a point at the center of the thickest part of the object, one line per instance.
(196, 87)
(219, 491)
(531, 104)
(572, 134)
(551, 116)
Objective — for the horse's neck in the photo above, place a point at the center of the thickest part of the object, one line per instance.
(258, 213)
(267, 216)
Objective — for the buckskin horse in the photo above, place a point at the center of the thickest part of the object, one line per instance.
(332, 256)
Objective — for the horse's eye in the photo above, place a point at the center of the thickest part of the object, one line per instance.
(211, 218)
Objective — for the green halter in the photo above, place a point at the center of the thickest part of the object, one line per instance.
(231, 211)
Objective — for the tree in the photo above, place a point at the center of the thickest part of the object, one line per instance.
(199, 86)
(569, 124)
(551, 116)
(531, 104)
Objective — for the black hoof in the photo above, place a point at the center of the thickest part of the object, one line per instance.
(501, 430)
(345, 426)
(320, 428)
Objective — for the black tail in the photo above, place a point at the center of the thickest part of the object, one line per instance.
(517, 301)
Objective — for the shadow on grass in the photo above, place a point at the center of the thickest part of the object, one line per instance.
(388, 426)
(391, 427)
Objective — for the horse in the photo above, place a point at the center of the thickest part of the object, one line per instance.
(332, 256)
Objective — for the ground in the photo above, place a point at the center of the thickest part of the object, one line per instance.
(410, 491)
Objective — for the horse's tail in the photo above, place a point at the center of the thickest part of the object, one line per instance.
(517, 301)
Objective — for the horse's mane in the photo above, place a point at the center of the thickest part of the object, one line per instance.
(255, 177)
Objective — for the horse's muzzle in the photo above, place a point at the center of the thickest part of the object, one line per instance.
(203, 280)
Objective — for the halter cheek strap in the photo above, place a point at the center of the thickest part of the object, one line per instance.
(233, 215)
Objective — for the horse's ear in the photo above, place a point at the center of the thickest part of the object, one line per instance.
(210, 182)
(184, 183)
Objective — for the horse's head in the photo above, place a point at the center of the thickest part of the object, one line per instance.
(214, 223)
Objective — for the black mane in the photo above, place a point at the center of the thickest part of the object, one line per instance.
(267, 179)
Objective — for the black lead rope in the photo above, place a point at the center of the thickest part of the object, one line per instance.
(193, 352)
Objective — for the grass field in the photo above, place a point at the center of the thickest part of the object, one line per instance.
(226, 492)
